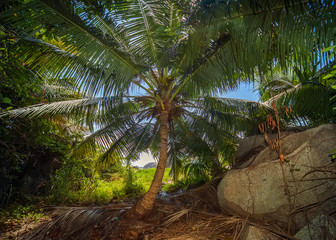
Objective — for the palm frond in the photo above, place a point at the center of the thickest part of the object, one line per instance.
(131, 143)
(255, 34)
(208, 132)
(303, 98)
(84, 108)
(225, 112)
(106, 136)
(77, 222)
(215, 71)
(62, 63)
(310, 104)
(84, 39)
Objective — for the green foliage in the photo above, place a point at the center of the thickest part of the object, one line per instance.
(18, 212)
(194, 173)
(186, 183)
(181, 55)
(82, 181)
(146, 176)
(208, 145)
(23, 142)
(332, 75)
(19, 85)
(306, 91)
(196, 169)
(73, 176)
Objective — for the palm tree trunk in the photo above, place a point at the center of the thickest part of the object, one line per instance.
(146, 204)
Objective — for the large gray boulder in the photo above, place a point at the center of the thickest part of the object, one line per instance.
(257, 188)
(321, 227)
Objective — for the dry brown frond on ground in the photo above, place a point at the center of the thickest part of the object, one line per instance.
(194, 215)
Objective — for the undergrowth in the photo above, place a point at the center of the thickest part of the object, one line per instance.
(187, 183)
(19, 212)
(81, 182)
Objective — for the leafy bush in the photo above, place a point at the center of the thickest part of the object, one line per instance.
(73, 183)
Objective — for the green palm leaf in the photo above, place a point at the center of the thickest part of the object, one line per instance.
(181, 55)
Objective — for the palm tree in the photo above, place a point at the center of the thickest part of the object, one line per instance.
(179, 54)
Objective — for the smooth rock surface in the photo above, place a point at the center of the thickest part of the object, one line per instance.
(249, 147)
(253, 233)
(258, 190)
(321, 227)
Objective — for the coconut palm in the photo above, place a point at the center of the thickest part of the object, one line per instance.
(179, 55)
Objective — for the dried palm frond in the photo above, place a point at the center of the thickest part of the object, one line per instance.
(75, 222)
(176, 216)
(221, 225)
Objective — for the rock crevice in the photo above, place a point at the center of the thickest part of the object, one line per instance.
(256, 188)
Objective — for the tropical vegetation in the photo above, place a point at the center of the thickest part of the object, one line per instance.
(151, 73)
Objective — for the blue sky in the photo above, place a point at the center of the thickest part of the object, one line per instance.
(245, 91)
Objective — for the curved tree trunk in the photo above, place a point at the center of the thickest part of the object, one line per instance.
(145, 205)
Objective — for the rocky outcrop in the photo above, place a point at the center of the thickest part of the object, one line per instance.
(256, 189)
(321, 227)
(250, 147)
(150, 165)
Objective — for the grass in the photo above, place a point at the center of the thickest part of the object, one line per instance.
(81, 188)
(103, 188)
(145, 177)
